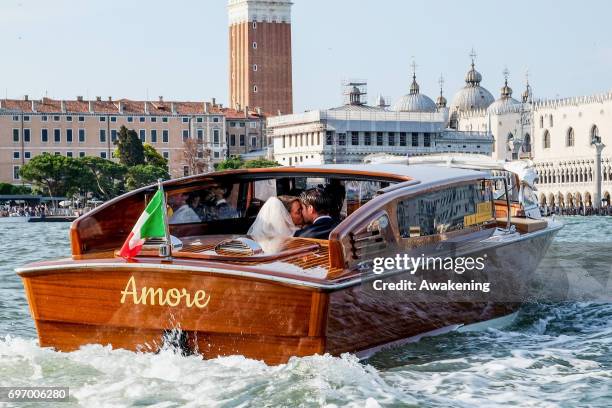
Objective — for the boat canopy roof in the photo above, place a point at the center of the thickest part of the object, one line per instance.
(524, 169)
(390, 172)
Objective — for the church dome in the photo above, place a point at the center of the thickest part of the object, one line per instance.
(473, 77)
(414, 101)
(505, 102)
(441, 101)
(472, 96)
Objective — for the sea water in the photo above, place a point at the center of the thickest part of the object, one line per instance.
(555, 354)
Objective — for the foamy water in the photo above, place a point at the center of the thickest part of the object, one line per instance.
(553, 355)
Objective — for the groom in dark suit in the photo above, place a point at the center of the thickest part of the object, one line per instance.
(316, 207)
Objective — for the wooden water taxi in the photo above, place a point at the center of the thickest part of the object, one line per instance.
(312, 296)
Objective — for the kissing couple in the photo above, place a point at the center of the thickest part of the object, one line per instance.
(287, 216)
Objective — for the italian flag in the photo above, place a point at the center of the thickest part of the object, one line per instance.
(150, 224)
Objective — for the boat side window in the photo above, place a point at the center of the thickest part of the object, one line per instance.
(261, 191)
(264, 189)
(529, 196)
(218, 201)
(348, 194)
(359, 193)
(499, 190)
(445, 210)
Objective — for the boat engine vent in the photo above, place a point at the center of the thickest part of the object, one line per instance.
(238, 247)
(156, 242)
(370, 240)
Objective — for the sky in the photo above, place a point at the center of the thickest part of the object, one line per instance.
(146, 48)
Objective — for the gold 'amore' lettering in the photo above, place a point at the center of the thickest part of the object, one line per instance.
(158, 296)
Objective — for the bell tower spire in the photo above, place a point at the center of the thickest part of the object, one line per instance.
(260, 73)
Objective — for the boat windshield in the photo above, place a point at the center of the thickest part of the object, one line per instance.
(229, 206)
(499, 190)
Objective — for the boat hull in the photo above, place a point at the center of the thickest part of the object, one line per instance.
(134, 306)
(121, 307)
(362, 318)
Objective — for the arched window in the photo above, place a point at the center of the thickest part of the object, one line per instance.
(546, 139)
(569, 140)
(550, 120)
(595, 135)
(527, 144)
(541, 122)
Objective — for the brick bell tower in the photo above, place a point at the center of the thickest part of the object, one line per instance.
(260, 55)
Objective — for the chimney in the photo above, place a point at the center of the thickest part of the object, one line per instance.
(258, 111)
(238, 107)
(278, 112)
(80, 98)
(146, 108)
(161, 98)
(121, 107)
(214, 102)
(206, 107)
(220, 106)
(99, 98)
(110, 98)
(63, 106)
(246, 111)
(1, 104)
(173, 108)
(91, 106)
(25, 97)
(33, 106)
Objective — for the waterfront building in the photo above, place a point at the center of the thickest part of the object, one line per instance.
(565, 138)
(245, 135)
(574, 166)
(260, 69)
(347, 134)
(77, 128)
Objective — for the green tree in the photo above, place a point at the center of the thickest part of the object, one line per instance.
(130, 150)
(55, 175)
(105, 177)
(236, 162)
(231, 163)
(143, 175)
(10, 189)
(260, 163)
(153, 157)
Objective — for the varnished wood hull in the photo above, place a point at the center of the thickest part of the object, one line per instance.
(363, 319)
(260, 318)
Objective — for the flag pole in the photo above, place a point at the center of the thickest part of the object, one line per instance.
(165, 250)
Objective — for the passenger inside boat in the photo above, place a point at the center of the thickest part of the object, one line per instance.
(266, 210)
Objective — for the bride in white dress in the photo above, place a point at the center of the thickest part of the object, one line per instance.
(272, 226)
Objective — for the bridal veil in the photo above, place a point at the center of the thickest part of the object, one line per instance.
(272, 226)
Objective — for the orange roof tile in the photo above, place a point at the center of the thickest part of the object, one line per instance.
(47, 105)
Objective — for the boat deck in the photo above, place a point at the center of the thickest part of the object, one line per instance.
(301, 260)
(299, 255)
